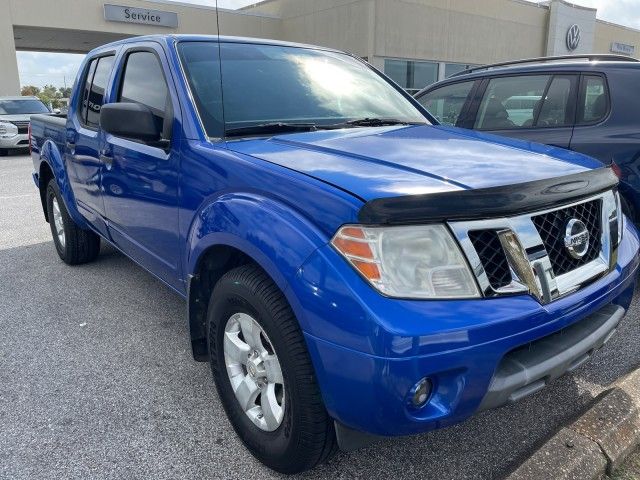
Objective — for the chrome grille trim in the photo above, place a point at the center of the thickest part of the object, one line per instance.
(529, 262)
(23, 126)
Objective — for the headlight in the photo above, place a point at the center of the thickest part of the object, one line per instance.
(408, 262)
(7, 129)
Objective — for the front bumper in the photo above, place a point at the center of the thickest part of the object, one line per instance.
(369, 351)
(17, 142)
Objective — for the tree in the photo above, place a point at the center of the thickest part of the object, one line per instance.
(49, 95)
(29, 91)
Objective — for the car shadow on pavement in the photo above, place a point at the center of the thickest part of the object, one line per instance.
(98, 381)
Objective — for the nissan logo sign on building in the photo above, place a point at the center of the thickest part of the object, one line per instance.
(573, 37)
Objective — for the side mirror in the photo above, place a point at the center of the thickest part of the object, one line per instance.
(130, 120)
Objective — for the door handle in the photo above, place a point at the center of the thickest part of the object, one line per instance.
(107, 160)
(70, 145)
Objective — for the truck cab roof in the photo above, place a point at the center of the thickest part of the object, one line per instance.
(210, 38)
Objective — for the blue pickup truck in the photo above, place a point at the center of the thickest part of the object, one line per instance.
(351, 269)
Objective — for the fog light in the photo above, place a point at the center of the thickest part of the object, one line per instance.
(420, 392)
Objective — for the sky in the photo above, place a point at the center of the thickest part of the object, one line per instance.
(40, 69)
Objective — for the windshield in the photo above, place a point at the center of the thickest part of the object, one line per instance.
(22, 107)
(269, 84)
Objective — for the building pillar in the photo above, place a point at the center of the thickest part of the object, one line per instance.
(9, 78)
(565, 16)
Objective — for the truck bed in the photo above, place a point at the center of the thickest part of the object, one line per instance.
(49, 127)
(54, 119)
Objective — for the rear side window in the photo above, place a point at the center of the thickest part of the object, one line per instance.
(91, 70)
(593, 100)
(446, 103)
(144, 83)
(98, 72)
(511, 102)
(98, 87)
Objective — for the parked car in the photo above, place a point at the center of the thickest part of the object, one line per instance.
(580, 102)
(351, 269)
(14, 121)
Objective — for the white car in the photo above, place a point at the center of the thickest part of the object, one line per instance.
(15, 114)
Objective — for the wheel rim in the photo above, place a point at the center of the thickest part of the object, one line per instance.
(58, 223)
(254, 371)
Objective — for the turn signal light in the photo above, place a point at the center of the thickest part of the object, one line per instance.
(352, 243)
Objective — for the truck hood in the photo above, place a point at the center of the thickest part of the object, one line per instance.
(396, 161)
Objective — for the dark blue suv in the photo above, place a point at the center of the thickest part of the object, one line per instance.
(588, 104)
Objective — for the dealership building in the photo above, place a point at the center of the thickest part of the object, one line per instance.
(416, 42)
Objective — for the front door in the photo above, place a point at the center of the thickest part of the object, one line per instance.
(140, 182)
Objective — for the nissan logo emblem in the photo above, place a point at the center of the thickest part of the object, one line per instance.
(576, 239)
(573, 37)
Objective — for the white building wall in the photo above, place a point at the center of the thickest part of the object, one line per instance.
(463, 31)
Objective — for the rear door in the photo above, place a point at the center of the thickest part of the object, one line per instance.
(140, 182)
(590, 135)
(84, 137)
(536, 107)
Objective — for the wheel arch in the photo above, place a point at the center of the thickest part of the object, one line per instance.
(235, 230)
(52, 165)
(45, 175)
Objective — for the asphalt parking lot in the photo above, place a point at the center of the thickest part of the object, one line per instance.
(97, 379)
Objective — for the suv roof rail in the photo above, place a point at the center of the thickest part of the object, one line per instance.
(590, 58)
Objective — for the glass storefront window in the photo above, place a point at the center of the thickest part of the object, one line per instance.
(397, 71)
(411, 75)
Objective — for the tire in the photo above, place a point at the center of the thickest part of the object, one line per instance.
(75, 246)
(305, 437)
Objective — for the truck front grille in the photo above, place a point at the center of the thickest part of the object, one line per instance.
(23, 126)
(551, 227)
(492, 256)
(532, 253)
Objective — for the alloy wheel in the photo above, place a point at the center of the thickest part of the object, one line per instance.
(254, 371)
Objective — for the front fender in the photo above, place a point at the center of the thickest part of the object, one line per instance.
(50, 154)
(274, 235)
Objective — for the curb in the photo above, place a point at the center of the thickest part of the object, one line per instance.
(596, 443)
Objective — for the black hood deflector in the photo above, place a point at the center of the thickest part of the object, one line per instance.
(487, 202)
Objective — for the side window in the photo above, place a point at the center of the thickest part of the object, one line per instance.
(554, 111)
(593, 100)
(96, 92)
(511, 102)
(91, 70)
(446, 103)
(143, 82)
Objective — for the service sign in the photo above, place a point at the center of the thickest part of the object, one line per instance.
(617, 47)
(121, 13)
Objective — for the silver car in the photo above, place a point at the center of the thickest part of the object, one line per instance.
(15, 113)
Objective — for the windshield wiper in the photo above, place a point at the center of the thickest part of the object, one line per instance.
(370, 122)
(289, 127)
(267, 128)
